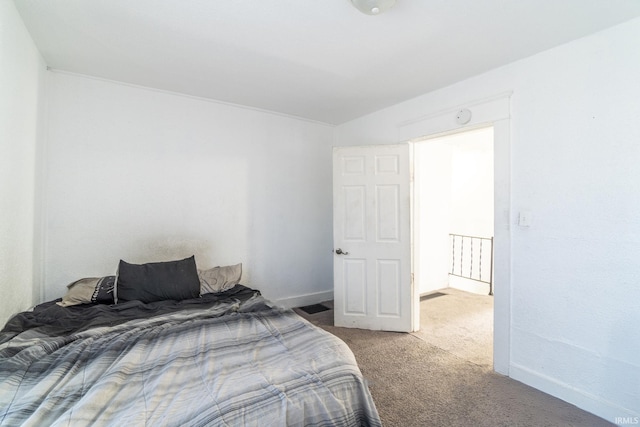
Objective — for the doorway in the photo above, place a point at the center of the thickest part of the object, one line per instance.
(495, 111)
(453, 231)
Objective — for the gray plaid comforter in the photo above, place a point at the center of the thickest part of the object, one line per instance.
(231, 363)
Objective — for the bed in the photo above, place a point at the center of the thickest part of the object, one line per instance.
(224, 358)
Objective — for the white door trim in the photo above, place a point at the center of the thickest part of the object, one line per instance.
(490, 111)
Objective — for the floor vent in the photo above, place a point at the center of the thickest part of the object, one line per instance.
(315, 308)
(433, 295)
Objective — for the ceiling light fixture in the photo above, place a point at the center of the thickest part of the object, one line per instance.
(373, 7)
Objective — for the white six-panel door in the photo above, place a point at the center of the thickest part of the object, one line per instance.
(372, 238)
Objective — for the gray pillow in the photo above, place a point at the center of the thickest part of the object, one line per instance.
(89, 290)
(157, 281)
(219, 279)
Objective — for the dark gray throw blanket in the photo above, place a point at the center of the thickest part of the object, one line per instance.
(223, 359)
(53, 320)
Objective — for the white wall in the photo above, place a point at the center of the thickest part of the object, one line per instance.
(22, 73)
(143, 175)
(574, 161)
(432, 221)
(472, 183)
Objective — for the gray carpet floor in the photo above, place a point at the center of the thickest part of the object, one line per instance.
(460, 323)
(442, 375)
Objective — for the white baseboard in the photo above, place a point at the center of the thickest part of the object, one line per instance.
(303, 300)
(469, 285)
(605, 409)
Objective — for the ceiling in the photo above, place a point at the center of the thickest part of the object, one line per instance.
(321, 60)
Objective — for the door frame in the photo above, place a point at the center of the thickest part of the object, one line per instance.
(493, 111)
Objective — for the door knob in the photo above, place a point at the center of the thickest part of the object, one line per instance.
(339, 252)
